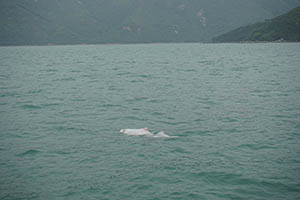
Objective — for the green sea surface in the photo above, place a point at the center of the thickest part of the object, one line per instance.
(234, 107)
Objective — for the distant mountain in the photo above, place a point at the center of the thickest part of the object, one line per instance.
(40, 22)
(283, 28)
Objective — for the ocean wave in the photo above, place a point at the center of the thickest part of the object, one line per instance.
(28, 152)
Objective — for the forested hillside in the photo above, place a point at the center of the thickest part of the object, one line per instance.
(283, 28)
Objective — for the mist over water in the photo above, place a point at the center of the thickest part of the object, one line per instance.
(235, 108)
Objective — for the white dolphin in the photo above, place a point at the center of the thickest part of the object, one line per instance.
(136, 132)
(145, 132)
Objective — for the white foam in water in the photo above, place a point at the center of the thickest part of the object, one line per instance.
(145, 132)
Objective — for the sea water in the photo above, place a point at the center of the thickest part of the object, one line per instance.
(234, 107)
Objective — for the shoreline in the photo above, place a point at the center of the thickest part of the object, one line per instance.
(150, 43)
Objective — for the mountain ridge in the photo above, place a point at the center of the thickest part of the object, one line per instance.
(42, 22)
